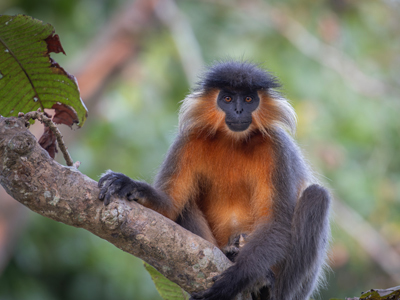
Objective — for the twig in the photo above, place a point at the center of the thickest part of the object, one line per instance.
(38, 115)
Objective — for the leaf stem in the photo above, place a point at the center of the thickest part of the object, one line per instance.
(38, 115)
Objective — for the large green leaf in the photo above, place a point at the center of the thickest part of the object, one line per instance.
(29, 78)
(167, 289)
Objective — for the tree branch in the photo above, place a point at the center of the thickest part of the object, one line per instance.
(38, 115)
(64, 194)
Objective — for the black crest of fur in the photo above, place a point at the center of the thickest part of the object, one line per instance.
(237, 75)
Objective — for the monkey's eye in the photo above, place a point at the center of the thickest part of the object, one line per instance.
(228, 99)
(248, 99)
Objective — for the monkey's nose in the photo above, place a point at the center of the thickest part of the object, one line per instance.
(238, 110)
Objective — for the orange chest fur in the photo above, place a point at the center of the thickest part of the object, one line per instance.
(238, 189)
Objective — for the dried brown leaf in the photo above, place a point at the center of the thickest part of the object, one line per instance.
(48, 142)
(54, 44)
(64, 115)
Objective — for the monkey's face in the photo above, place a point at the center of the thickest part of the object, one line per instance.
(238, 106)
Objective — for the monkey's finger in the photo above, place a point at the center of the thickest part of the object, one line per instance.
(105, 184)
(108, 178)
(112, 190)
(107, 198)
(111, 181)
(105, 188)
(104, 178)
(102, 193)
(106, 201)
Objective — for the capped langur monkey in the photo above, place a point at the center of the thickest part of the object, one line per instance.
(235, 177)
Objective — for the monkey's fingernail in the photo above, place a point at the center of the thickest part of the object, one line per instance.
(107, 199)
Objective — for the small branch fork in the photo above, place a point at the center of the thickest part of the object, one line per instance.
(44, 119)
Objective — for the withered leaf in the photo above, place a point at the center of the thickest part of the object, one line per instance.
(48, 142)
(54, 44)
(57, 69)
(64, 115)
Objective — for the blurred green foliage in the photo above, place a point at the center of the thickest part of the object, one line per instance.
(351, 139)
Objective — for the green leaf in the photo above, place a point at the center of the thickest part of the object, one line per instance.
(29, 78)
(167, 289)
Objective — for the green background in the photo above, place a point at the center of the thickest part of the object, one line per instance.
(349, 130)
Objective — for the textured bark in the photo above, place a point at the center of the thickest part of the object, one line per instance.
(380, 294)
(64, 194)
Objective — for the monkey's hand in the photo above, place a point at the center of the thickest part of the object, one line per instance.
(231, 251)
(234, 245)
(122, 186)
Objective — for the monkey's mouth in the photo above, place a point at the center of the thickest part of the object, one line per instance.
(238, 126)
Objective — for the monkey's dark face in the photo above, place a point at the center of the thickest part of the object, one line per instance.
(238, 106)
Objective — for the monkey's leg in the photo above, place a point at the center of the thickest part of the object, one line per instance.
(193, 220)
(308, 285)
(310, 234)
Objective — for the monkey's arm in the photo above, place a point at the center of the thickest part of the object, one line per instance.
(168, 196)
(112, 183)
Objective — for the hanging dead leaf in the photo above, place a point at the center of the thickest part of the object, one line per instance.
(48, 142)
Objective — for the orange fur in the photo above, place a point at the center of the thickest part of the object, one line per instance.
(240, 191)
(239, 177)
(238, 165)
(200, 113)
